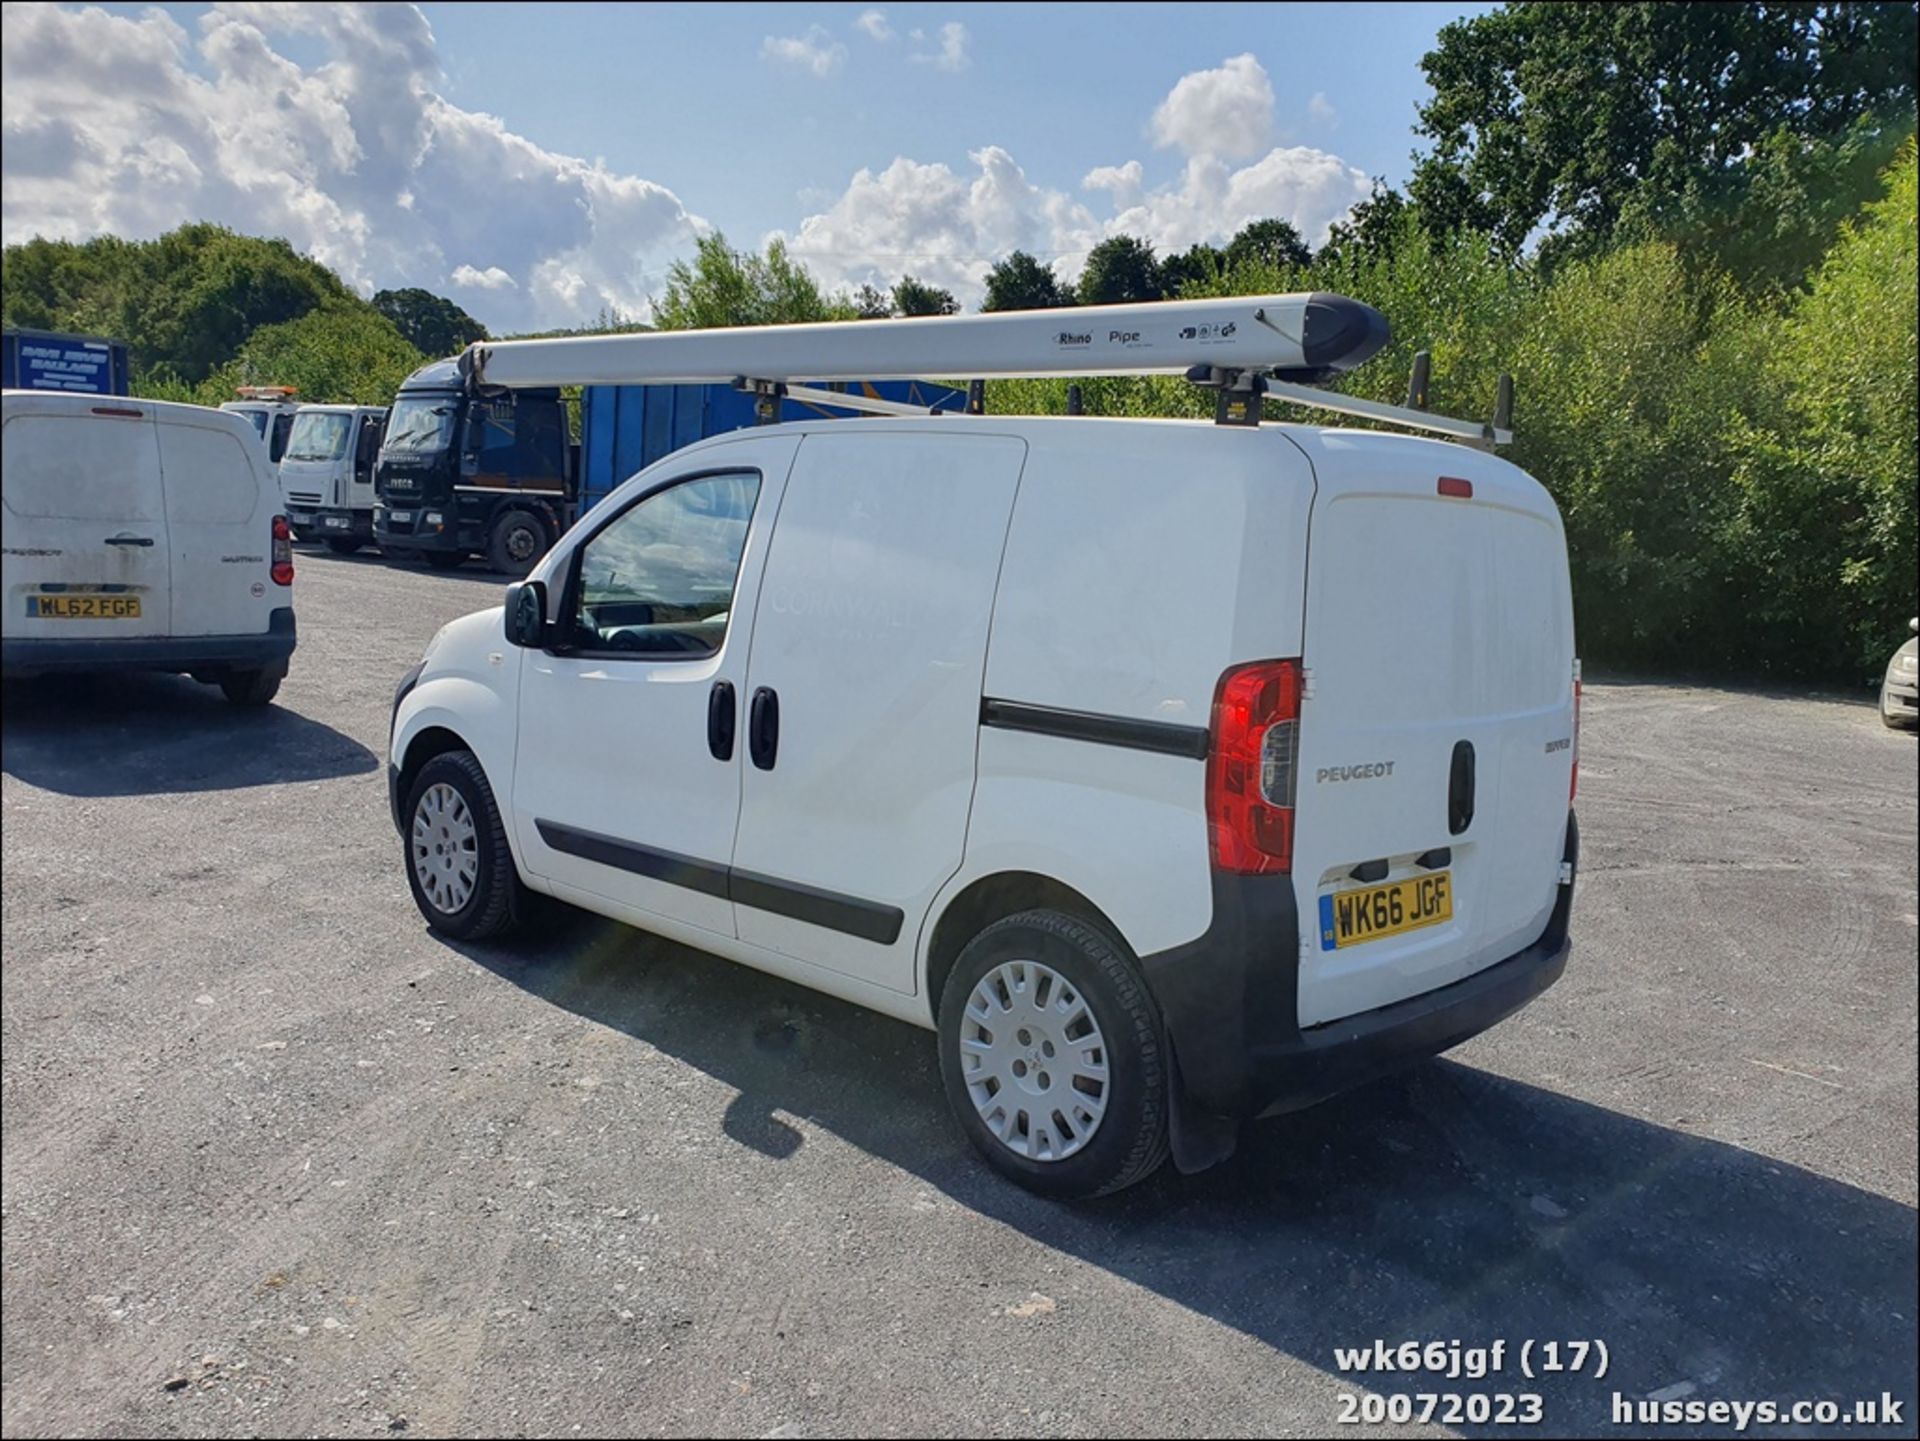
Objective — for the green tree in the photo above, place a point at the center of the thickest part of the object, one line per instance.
(915, 297)
(432, 324)
(1561, 114)
(1273, 242)
(1826, 543)
(1119, 269)
(337, 353)
(722, 286)
(870, 302)
(1371, 229)
(1195, 267)
(1021, 282)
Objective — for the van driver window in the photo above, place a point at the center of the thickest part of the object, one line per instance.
(659, 580)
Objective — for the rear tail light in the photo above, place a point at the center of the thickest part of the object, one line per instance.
(1573, 781)
(282, 551)
(1251, 765)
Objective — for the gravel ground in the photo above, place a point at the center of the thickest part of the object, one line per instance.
(278, 1161)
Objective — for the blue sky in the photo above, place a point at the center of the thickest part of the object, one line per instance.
(540, 162)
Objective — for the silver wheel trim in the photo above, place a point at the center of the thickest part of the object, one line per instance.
(1034, 1061)
(445, 848)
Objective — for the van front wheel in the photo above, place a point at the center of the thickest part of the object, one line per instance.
(458, 864)
(1054, 1057)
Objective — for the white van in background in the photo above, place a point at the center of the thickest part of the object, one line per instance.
(142, 535)
(269, 409)
(326, 474)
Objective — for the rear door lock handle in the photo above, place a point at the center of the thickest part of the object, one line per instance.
(129, 540)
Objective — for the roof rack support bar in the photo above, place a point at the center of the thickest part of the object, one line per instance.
(1474, 433)
(769, 393)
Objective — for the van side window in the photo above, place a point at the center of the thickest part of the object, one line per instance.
(282, 427)
(659, 579)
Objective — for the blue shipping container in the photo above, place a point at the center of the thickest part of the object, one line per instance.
(626, 428)
(42, 360)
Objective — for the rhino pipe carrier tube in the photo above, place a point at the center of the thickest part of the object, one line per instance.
(1299, 337)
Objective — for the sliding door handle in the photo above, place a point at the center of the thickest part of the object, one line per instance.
(763, 728)
(720, 720)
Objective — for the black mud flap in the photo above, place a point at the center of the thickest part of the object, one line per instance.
(1199, 1139)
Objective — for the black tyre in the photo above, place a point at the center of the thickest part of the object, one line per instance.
(458, 865)
(1054, 1058)
(342, 545)
(251, 687)
(446, 559)
(518, 541)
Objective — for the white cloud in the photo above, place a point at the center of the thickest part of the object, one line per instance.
(131, 126)
(940, 226)
(1123, 182)
(952, 54)
(1226, 112)
(492, 278)
(874, 23)
(1320, 110)
(948, 228)
(1212, 199)
(815, 52)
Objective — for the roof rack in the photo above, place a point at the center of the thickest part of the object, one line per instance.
(1244, 347)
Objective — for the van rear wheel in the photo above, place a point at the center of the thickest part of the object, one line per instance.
(458, 863)
(1054, 1057)
(251, 687)
(517, 543)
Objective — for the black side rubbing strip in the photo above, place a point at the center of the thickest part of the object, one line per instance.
(869, 920)
(1164, 737)
(675, 870)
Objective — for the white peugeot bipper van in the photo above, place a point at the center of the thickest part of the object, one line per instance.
(326, 474)
(142, 536)
(1174, 773)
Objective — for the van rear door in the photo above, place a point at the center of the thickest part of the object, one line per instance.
(220, 521)
(1436, 735)
(86, 553)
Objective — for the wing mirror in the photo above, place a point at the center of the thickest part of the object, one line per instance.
(1914, 625)
(526, 614)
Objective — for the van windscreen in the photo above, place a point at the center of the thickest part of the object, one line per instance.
(319, 435)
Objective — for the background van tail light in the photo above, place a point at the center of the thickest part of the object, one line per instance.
(1573, 781)
(282, 551)
(1251, 768)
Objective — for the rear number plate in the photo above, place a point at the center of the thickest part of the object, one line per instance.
(83, 607)
(1347, 918)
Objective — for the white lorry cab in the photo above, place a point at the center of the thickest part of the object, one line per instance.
(142, 536)
(326, 474)
(269, 409)
(1173, 773)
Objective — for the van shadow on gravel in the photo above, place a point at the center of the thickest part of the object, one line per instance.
(1447, 1203)
(139, 734)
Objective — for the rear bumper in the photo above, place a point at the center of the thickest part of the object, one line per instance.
(180, 653)
(1231, 1002)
